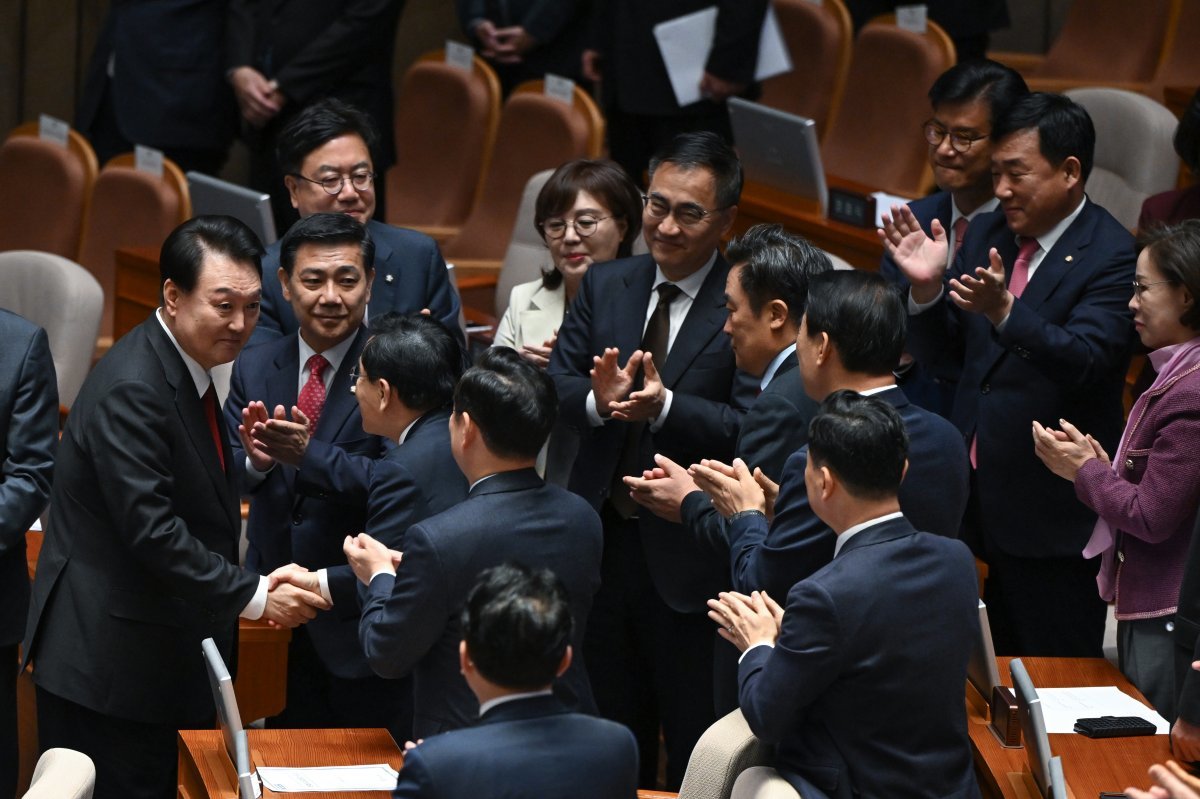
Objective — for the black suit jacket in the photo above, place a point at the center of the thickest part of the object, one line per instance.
(863, 691)
(775, 426)
(525, 747)
(1063, 354)
(139, 562)
(410, 622)
(558, 26)
(28, 441)
(705, 417)
(797, 543)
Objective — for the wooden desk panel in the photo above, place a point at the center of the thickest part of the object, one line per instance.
(199, 750)
(1089, 765)
(135, 288)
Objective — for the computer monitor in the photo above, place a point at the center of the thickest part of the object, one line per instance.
(981, 668)
(215, 196)
(1033, 730)
(241, 763)
(779, 150)
(228, 717)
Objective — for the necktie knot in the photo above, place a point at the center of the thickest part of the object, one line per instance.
(1028, 248)
(667, 292)
(316, 367)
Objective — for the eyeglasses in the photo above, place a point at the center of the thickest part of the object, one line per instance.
(584, 226)
(685, 214)
(959, 140)
(355, 376)
(361, 181)
(1139, 288)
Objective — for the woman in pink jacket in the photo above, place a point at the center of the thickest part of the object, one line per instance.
(1146, 497)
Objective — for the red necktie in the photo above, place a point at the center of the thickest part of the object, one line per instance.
(1020, 272)
(312, 395)
(960, 230)
(214, 423)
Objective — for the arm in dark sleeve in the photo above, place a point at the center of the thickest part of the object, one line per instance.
(239, 34)
(30, 442)
(734, 54)
(571, 360)
(545, 20)
(441, 298)
(330, 472)
(773, 429)
(704, 524)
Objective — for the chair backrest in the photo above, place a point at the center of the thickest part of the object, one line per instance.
(819, 38)
(62, 774)
(445, 126)
(63, 298)
(536, 132)
(724, 751)
(527, 255)
(875, 137)
(1110, 40)
(129, 208)
(762, 782)
(1134, 154)
(1180, 65)
(55, 182)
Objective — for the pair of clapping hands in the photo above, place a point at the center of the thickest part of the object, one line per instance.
(732, 488)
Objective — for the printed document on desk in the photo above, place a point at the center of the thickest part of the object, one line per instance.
(375, 777)
(677, 42)
(1062, 706)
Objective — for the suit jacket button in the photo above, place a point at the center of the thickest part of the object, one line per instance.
(297, 519)
(1129, 463)
(1121, 556)
(985, 388)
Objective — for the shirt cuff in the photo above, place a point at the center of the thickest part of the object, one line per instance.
(657, 424)
(388, 571)
(593, 415)
(323, 584)
(1003, 322)
(915, 307)
(754, 646)
(254, 475)
(258, 603)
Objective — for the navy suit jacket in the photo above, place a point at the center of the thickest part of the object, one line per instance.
(525, 747)
(410, 622)
(775, 426)
(797, 543)
(28, 441)
(139, 562)
(863, 691)
(302, 515)
(1063, 354)
(410, 275)
(705, 417)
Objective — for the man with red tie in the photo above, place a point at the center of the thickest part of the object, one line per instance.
(1033, 314)
(967, 99)
(304, 461)
(140, 558)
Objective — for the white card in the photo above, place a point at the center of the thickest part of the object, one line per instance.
(560, 88)
(460, 55)
(911, 18)
(147, 159)
(52, 129)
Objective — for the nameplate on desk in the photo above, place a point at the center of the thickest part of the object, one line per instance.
(1005, 724)
(851, 207)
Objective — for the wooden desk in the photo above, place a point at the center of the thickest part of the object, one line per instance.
(860, 246)
(135, 289)
(202, 757)
(1089, 765)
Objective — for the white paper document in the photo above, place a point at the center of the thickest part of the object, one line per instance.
(686, 41)
(1061, 707)
(884, 203)
(375, 777)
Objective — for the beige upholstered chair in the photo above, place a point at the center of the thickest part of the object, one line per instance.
(527, 255)
(52, 184)
(63, 298)
(62, 774)
(762, 782)
(724, 751)
(819, 38)
(445, 127)
(1134, 154)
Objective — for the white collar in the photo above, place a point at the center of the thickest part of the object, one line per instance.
(335, 354)
(858, 528)
(689, 285)
(1046, 241)
(774, 365)
(500, 700)
(987, 207)
(199, 374)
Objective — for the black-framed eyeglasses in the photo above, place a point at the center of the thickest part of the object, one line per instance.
(1139, 288)
(361, 181)
(960, 140)
(685, 214)
(584, 226)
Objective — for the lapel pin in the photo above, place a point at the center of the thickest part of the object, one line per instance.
(1069, 259)
(390, 278)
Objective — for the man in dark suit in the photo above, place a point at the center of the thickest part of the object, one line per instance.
(967, 99)
(284, 55)
(157, 78)
(650, 649)
(307, 472)
(859, 679)
(850, 337)
(639, 104)
(504, 408)
(139, 563)
(28, 441)
(525, 39)
(327, 156)
(516, 629)
(1034, 314)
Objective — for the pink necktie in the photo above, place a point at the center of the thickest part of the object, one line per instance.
(1020, 271)
(312, 395)
(960, 230)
